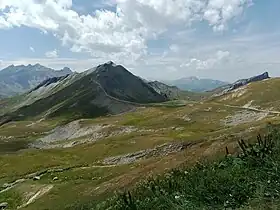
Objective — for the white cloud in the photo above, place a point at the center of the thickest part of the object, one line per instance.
(219, 12)
(31, 49)
(52, 54)
(103, 3)
(119, 34)
(209, 63)
(174, 48)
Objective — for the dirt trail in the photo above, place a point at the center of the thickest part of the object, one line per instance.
(37, 195)
(254, 109)
(250, 108)
(11, 185)
(89, 167)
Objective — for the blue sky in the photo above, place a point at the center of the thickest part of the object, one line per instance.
(156, 39)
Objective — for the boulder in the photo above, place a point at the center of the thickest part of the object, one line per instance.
(3, 205)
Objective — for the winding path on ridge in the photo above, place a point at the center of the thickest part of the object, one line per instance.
(248, 108)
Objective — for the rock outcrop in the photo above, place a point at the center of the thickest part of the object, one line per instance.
(239, 83)
(50, 81)
(243, 82)
(170, 92)
(3, 205)
(161, 150)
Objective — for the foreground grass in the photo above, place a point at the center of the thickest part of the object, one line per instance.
(248, 181)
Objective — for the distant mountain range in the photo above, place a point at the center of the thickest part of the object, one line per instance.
(196, 85)
(19, 79)
(105, 89)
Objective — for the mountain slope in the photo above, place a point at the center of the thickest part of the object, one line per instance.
(173, 92)
(19, 79)
(259, 93)
(239, 83)
(196, 85)
(120, 83)
(106, 89)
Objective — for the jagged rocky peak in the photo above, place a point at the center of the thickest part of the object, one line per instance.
(28, 67)
(37, 65)
(111, 63)
(263, 76)
(66, 70)
(17, 79)
(257, 78)
(107, 64)
(50, 81)
(110, 69)
(242, 82)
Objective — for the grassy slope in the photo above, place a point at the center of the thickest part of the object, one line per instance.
(204, 129)
(263, 94)
(65, 99)
(249, 181)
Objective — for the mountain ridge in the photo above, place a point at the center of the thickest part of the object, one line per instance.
(195, 84)
(239, 83)
(105, 89)
(18, 79)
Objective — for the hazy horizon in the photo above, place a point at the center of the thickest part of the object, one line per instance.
(147, 78)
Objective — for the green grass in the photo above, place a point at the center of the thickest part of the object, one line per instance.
(76, 183)
(204, 125)
(170, 104)
(12, 197)
(204, 129)
(245, 181)
(264, 94)
(18, 135)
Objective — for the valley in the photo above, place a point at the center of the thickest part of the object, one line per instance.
(139, 105)
(80, 141)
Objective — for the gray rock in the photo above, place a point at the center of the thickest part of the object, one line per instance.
(161, 150)
(170, 92)
(243, 82)
(3, 205)
(36, 178)
(5, 185)
(239, 83)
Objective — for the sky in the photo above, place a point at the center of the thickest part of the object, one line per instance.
(154, 39)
